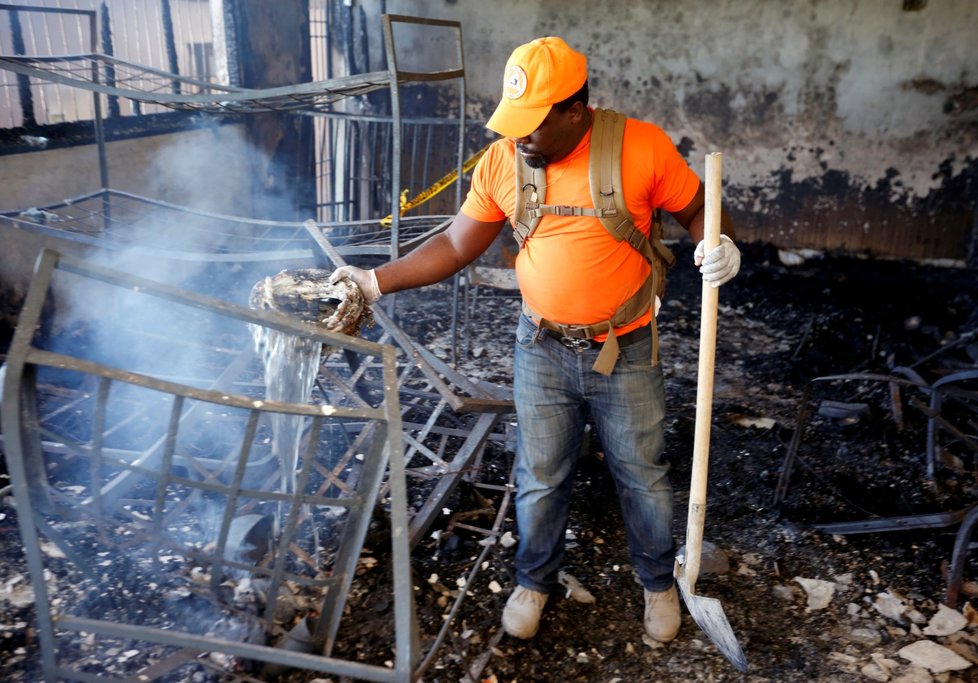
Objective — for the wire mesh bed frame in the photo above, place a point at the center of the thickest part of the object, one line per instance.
(148, 527)
(100, 218)
(104, 75)
(117, 220)
(130, 489)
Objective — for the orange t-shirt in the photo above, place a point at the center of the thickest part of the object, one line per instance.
(571, 270)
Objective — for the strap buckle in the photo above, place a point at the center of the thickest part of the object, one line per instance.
(576, 344)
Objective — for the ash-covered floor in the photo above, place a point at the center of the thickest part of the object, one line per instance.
(806, 604)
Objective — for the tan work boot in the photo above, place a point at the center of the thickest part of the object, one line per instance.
(521, 616)
(662, 614)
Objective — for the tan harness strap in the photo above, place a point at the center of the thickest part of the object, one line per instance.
(636, 305)
(604, 175)
(531, 186)
(560, 210)
(607, 196)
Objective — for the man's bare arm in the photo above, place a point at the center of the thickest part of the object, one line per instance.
(723, 262)
(440, 256)
(691, 217)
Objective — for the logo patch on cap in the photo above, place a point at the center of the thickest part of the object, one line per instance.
(515, 84)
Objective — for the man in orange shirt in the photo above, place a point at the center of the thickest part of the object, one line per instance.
(577, 355)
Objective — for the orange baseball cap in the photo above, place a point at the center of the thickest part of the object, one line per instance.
(538, 75)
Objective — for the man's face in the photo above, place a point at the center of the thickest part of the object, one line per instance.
(553, 140)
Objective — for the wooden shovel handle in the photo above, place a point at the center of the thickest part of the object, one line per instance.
(704, 384)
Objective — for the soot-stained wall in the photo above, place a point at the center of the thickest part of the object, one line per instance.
(843, 124)
(273, 50)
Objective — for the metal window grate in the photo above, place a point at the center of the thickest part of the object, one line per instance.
(174, 36)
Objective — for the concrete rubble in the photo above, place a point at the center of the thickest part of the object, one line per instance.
(948, 642)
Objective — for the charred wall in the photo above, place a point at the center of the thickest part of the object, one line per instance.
(843, 125)
(273, 49)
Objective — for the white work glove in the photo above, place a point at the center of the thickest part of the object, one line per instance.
(721, 264)
(366, 280)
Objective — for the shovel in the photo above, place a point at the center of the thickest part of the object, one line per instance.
(706, 612)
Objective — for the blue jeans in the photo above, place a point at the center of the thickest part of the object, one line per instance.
(555, 390)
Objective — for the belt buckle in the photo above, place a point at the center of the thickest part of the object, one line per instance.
(579, 345)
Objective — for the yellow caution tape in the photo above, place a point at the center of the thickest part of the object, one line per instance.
(438, 186)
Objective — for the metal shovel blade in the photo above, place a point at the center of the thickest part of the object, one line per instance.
(709, 616)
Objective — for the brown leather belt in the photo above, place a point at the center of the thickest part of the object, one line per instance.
(580, 345)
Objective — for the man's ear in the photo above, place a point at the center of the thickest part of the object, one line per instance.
(577, 111)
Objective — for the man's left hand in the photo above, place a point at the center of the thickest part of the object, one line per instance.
(721, 264)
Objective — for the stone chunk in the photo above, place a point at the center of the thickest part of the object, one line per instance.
(820, 593)
(933, 657)
(945, 622)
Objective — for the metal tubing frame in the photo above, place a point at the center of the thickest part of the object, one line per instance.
(304, 98)
(804, 411)
(956, 571)
(966, 518)
(291, 249)
(910, 378)
(490, 406)
(386, 451)
(398, 76)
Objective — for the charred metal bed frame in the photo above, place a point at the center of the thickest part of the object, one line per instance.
(105, 217)
(952, 387)
(432, 391)
(107, 76)
(116, 475)
(445, 420)
(112, 219)
(175, 478)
